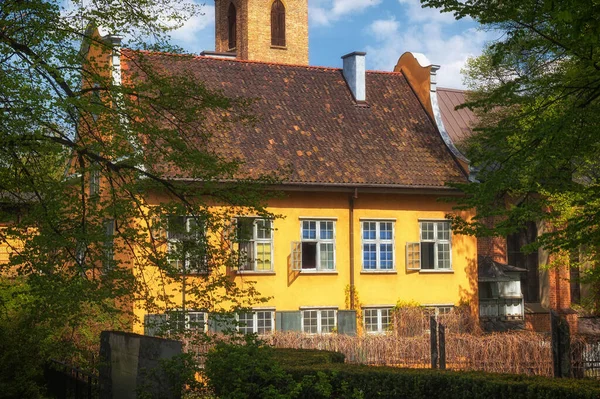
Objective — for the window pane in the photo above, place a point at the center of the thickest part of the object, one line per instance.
(385, 319)
(196, 321)
(427, 231)
(246, 323)
(246, 255)
(309, 230)
(387, 257)
(326, 230)
(370, 256)
(427, 256)
(327, 321)
(263, 229)
(443, 256)
(309, 255)
(264, 322)
(327, 256)
(369, 230)
(175, 227)
(245, 229)
(443, 231)
(385, 231)
(370, 320)
(263, 256)
(309, 318)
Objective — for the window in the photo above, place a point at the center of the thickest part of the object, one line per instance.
(278, 24)
(434, 251)
(255, 244)
(231, 26)
(175, 322)
(316, 251)
(438, 310)
(378, 245)
(186, 245)
(94, 182)
(179, 321)
(109, 250)
(257, 322)
(377, 320)
(319, 321)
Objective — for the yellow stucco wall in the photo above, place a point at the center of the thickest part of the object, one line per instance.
(291, 290)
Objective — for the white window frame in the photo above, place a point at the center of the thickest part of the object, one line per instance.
(187, 323)
(378, 241)
(173, 242)
(296, 258)
(94, 181)
(255, 241)
(414, 250)
(379, 315)
(110, 227)
(319, 320)
(255, 314)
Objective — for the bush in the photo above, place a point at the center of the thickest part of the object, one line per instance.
(252, 371)
(371, 382)
(287, 357)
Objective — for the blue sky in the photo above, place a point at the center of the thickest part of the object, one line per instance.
(383, 28)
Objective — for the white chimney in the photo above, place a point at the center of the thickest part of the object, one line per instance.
(354, 73)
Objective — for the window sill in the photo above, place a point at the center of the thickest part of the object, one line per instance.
(278, 47)
(304, 271)
(379, 271)
(436, 271)
(255, 273)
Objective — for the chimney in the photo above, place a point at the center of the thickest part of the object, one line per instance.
(354, 73)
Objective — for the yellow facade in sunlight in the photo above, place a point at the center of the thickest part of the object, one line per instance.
(293, 290)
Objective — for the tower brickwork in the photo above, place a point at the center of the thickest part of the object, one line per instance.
(254, 31)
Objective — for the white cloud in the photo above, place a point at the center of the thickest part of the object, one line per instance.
(192, 34)
(416, 13)
(325, 12)
(424, 32)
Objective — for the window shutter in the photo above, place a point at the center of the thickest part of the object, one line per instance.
(221, 322)
(346, 323)
(278, 23)
(288, 321)
(231, 26)
(413, 256)
(296, 256)
(154, 324)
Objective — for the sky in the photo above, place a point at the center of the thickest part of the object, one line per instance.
(384, 29)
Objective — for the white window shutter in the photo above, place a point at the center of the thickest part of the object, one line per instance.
(413, 256)
(296, 256)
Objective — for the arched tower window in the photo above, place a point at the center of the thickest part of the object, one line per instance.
(231, 25)
(277, 23)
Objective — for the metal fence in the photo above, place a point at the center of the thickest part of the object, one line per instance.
(68, 382)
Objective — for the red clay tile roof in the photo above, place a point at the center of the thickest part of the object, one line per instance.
(308, 119)
(458, 122)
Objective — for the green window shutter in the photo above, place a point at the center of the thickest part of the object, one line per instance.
(346, 323)
(288, 321)
(221, 322)
(154, 324)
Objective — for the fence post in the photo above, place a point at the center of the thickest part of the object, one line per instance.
(561, 345)
(442, 339)
(433, 337)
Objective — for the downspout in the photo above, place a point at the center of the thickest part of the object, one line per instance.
(351, 222)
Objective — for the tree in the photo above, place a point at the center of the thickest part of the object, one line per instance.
(79, 154)
(537, 92)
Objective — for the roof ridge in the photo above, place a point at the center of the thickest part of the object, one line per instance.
(326, 68)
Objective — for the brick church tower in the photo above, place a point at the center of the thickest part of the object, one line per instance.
(263, 30)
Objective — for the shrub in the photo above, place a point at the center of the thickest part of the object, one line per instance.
(371, 382)
(288, 357)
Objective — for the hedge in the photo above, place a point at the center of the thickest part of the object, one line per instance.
(382, 382)
(250, 371)
(287, 357)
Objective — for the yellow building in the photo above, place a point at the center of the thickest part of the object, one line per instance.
(360, 208)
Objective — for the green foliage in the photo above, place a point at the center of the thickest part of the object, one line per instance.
(247, 371)
(350, 381)
(287, 357)
(536, 90)
(85, 249)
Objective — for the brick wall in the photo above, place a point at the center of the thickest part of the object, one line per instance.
(254, 31)
(494, 247)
